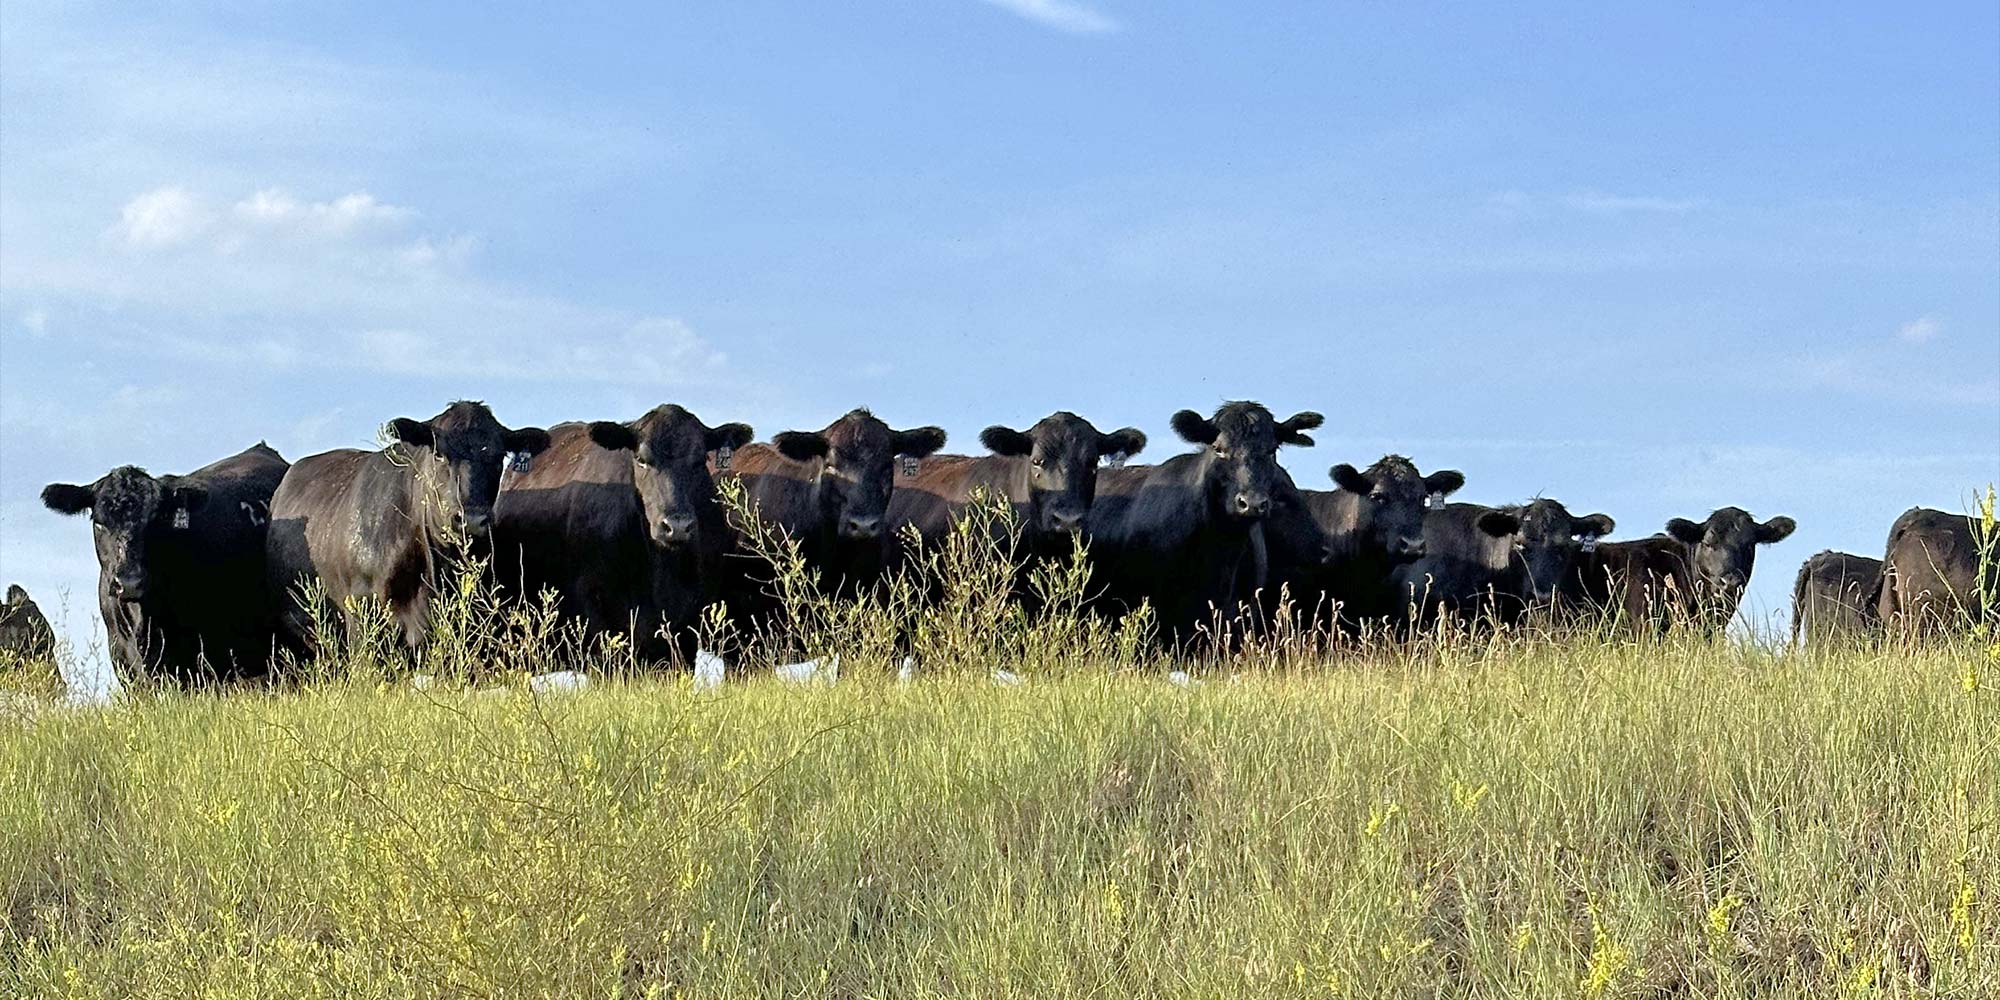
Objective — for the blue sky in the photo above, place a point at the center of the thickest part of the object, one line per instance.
(1650, 261)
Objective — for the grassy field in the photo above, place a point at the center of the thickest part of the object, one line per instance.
(1529, 821)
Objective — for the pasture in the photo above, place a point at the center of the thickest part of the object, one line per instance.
(1503, 818)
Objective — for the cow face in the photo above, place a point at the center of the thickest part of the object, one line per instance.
(1393, 500)
(1242, 454)
(1546, 540)
(126, 507)
(669, 448)
(857, 456)
(1062, 451)
(460, 454)
(1723, 549)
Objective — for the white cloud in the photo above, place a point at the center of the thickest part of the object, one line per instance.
(36, 322)
(1599, 203)
(1062, 15)
(1921, 330)
(163, 217)
(353, 214)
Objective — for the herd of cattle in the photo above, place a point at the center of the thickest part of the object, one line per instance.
(201, 575)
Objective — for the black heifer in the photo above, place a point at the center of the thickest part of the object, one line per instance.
(1935, 577)
(1187, 535)
(390, 524)
(1048, 473)
(1371, 525)
(1694, 574)
(622, 521)
(830, 491)
(180, 559)
(1495, 561)
(1833, 598)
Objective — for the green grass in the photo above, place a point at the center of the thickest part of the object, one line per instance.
(1529, 821)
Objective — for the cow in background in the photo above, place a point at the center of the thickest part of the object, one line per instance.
(1937, 576)
(1694, 574)
(1495, 562)
(1834, 598)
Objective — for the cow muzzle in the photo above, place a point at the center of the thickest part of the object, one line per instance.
(675, 530)
(1407, 548)
(1250, 505)
(128, 587)
(861, 529)
(1066, 521)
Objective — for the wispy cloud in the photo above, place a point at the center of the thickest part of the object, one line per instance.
(1062, 15)
(1921, 330)
(1591, 202)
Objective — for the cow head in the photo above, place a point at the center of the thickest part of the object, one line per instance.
(1546, 540)
(460, 453)
(1241, 460)
(1393, 499)
(126, 507)
(669, 448)
(857, 456)
(1723, 549)
(1062, 451)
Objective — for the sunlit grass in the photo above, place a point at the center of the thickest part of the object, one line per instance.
(1534, 822)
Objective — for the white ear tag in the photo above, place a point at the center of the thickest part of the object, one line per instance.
(909, 466)
(1590, 543)
(722, 456)
(1115, 460)
(521, 462)
(1433, 500)
(181, 519)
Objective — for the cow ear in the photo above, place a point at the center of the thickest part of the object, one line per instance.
(1194, 428)
(1006, 441)
(1776, 529)
(1349, 478)
(1292, 431)
(919, 442)
(801, 446)
(730, 435)
(66, 499)
(1126, 441)
(184, 494)
(1498, 523)
(1683, 530)
(613, 436)
(1594, 525)
(16, 596)
(1445, 482)
(414, 433)
(526, 441)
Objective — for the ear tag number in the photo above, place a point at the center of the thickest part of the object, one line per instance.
(909, 466)
(1433, 501)
(181, 519)
(1590, 543)
(521, 462)
(1115, 460)
(722, 456)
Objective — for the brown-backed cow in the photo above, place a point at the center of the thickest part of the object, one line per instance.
(622, 521)
(1936, 579)
(1694, 574)
(180, 559)
(1495, 562)
(1833, 598)
(390, 524)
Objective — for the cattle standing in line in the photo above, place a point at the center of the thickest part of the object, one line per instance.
(27, 639)
(623, 522)
(1833, 599)
(390, 524)
(1372, 524)
(1694, 574)
(829, 490)
(1481, 562)
(180, 580)
(1048, 473)
(1932, 574)
(1187, 534)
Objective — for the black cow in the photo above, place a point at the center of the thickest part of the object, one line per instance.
(28, 641)
(623, 522)
(1833, 599)
(180, 559)
(830, 491)
(1936, 580)
(390, 524)
(1694, 574)
(1369, 526)
(1495, 561)
(1187, 535)
(1048, 473)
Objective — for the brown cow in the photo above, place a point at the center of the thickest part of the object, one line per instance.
(1936, 576)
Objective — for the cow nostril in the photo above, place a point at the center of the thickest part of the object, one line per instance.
(864, 527)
